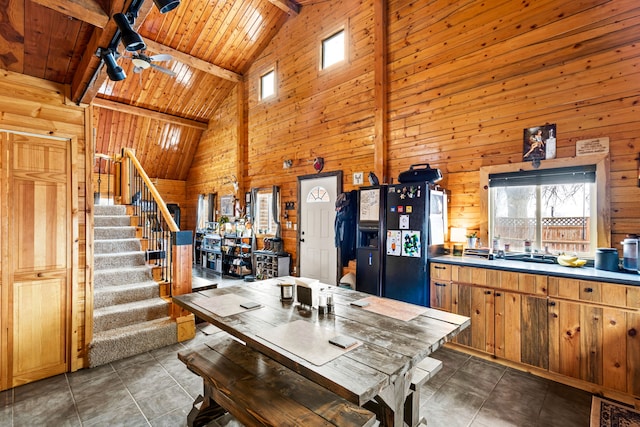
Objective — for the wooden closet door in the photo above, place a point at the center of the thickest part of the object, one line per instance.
(39, 254)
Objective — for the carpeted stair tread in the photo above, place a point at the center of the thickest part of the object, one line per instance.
(117, 316)
(112, 221)
(121, 294)
(102, 233)
(106, 210)
(108, 246)
(120, 343)
(118, 260)
(119, 276)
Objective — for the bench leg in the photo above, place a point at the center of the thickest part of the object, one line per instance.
(412, 408)
(205, 410)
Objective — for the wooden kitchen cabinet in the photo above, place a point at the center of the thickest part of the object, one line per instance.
(593, 333)
(581, 329)
(507, 324)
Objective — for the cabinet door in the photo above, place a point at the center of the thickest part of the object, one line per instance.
(633, 353)
(534, 330)
(521, 331)
(576, 340)
(478, 304)
(440, 294)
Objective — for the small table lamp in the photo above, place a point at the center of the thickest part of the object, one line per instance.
(458, 236)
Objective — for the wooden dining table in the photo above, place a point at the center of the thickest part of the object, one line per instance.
(385, 338)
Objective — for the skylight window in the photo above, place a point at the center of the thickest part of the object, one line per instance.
(333, 49)
(268, 84)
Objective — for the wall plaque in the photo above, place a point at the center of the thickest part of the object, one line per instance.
(585, 147)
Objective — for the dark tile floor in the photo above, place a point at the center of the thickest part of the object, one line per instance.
(155, 389)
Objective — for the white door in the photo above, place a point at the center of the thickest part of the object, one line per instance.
(318, 253)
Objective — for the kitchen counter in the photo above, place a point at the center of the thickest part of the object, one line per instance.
(580, 273)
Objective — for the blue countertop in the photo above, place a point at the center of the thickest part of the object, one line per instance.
(580, 273)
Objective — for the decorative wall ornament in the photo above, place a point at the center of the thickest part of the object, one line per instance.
(318, 164)
(233, 180)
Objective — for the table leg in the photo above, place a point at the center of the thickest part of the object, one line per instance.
(204, 410)
(391, 401)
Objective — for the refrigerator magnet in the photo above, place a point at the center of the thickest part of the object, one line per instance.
(400, 209)
(409, 209)
(404, 222)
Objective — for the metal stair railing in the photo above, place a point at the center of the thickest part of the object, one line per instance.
(166, 247)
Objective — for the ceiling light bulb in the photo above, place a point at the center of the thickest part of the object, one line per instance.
(114, 71)
(165, 6)
(130, 39)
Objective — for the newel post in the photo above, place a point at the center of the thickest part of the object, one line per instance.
(181, 264)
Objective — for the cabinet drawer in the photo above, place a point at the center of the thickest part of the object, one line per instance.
(441, 271)
(596, 292)
(574, 289)
(633, 296)
(532, 283)
(471, 275)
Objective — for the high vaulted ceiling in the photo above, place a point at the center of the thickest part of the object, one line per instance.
(212, 42)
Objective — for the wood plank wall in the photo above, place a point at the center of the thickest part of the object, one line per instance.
(314, 113)
(37, 106)
(464, 79)
(215, 160)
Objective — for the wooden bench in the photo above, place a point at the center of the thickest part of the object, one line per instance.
(257, 390)
(421, 374)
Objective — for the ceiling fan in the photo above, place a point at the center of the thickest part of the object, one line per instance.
(141, 62)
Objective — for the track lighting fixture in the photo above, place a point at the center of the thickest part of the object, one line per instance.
(114, 71)
(130, 39)
(165, 6)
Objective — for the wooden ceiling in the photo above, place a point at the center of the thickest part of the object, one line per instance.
(212, 43)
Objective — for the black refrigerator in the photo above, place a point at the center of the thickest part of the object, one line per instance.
(370, 239)
(415, 223)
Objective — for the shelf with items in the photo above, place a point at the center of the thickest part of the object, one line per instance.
(236, 255)
(212, 261)
(270, 264)
(211, 252)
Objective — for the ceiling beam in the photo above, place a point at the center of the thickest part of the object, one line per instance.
(288, 6)
(194, 62)
(89, 11)
(137, 111)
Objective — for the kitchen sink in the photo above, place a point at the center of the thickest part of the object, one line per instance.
(532, 257)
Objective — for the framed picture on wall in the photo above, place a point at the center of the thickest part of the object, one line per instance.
(539, 143)
(227, 205)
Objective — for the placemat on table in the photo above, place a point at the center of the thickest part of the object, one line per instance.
(307, 340)
(223, 305)
(391, 308)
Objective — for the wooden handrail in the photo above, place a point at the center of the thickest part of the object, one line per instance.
(173, 227)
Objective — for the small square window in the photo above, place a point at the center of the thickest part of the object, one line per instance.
(333, 49)
(268, 84)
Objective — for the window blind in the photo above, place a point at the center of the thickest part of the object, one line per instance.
(568, 175)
